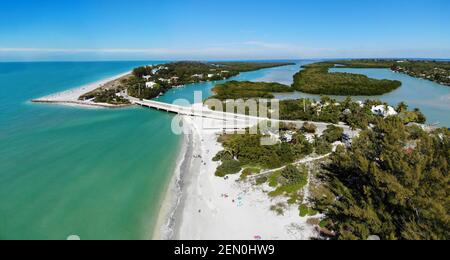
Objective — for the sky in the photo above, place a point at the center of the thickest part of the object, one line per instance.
(45, 30)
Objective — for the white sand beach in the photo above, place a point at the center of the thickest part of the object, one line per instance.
(212, 208)
(71, 97)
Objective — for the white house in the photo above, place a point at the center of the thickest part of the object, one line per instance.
(200, 76)
(147, 77)
(150, 84)
(210, 75)
(384, 111)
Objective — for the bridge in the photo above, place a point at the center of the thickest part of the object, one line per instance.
(200, 111)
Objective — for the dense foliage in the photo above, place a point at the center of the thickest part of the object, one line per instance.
(392, 182)
(354, 114)
(249, 152)
(187, 72)
(431, 70)
(228, 167)
(293, 175)
(316, 79)
(107, 96)
(246, 89)
(333, 134)
(437, 71)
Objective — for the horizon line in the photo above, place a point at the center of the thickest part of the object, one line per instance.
(227, 60)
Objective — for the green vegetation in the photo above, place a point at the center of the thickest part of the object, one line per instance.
(105, 96)
(182, 73)
(228, 167)
(322, 146)
(306, 211)
(289, 182)
(108, 93)
(392, 182)
(354, 114)
(249, 171)
(261, 180)
(316, 79)
(293, 175)
(223, 156)
(248, 150)
(364, 64)
(437, 71)
(309, 128)
(333, 134)
(245, 90)
(148, 82)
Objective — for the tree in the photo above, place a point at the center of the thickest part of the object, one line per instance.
(333, 134)
(402, 107)
(382, 186)
(309, 128)
(293, 175)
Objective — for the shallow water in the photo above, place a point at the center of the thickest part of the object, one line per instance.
(432, 98)
(94, 173)
(100, 173)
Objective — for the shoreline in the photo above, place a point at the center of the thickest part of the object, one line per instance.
(198, 205)
(172, 197)
(71, 97)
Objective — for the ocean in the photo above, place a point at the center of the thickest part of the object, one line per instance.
(93, 173)
(102, 173)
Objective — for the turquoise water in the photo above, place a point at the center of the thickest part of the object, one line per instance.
(95, 173)
(100, 173)
(432, 98)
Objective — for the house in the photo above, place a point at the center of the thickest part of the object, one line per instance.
(150, 84)
(200, 76)
(383, 110)
(147, 77)
(210, 75)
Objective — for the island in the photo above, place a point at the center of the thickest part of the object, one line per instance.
(316, 79)
(433, 70)
(245, 90)
(152, 81)
(356, 114)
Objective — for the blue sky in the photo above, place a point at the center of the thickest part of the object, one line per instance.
(226, 29)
